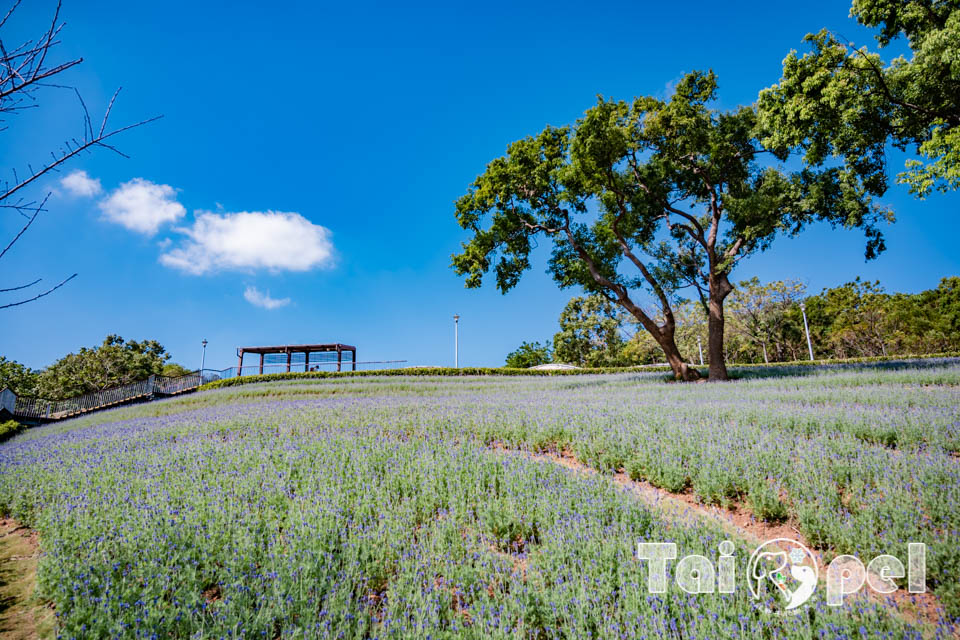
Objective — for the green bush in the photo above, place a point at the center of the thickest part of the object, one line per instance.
(765, 503)
(9, 429)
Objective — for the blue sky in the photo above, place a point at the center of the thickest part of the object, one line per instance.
(347, 132)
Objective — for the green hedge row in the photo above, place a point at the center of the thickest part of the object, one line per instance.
(505, 371)
(417, 371)
(808, 363)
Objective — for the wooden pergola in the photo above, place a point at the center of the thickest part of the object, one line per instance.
(305, 349)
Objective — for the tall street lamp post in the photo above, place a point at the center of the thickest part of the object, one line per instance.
(203, 357)
(456, 341)
(806, 329)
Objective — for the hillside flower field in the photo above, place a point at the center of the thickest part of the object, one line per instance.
(402, 507)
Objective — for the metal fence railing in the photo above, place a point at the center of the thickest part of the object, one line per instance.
(40, 409)
(156, 385)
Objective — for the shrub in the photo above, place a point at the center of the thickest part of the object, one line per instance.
(9, 429)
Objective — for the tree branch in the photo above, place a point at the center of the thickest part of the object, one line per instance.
(23, 286)
(25, 227)
(37, 297)
(951, 118)
(623, 296)
(692, 219)
(98, 141)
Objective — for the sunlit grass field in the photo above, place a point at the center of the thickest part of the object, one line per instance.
(395, 507)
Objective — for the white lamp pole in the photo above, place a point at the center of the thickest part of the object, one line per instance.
(456, 341)
(203, 357)
(806, 329)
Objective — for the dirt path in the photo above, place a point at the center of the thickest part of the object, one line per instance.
(21, 617)
(918, 609)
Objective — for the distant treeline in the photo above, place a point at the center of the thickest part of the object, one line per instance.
(764, 323)
(113, 363)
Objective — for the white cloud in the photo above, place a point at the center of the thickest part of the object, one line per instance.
(142, 206)
(259, 299)
(251, 240)
(78, 183)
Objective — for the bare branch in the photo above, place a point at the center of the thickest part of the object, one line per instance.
(10, 13)
(106, 114)
(37, 297)
(25, 227)
(98, 141)
(23, 286)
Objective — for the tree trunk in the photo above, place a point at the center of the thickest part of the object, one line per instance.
(665, 337)
(681, 370)
(720, 287)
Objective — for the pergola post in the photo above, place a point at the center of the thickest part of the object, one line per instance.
(354, 359)
(240, 362)
(339, 357)
(306, 361)
(261, 364)
(288, 361)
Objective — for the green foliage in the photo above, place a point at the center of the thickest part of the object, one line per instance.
(691, 336)
(173, 370)
(589, 334)
(510, 527)
(761, 316)
(605, 193)
(113, 363)
(840, 100)
(9, 429)
(765, 503)
(859, 319)
(529, 354)
(17, 377)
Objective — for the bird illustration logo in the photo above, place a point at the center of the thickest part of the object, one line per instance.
(789, 566)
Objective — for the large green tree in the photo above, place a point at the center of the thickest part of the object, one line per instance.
(650, 196)
(926, 322)
(529, 354)
(112, 363)
(843, 100)
(761, 314)
(860, 319)
(590, 333)
(17, 377)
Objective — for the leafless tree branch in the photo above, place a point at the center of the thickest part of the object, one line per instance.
(37, 297)
(23, 286)
(24, 70)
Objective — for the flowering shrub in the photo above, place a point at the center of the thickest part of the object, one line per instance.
(384, 506)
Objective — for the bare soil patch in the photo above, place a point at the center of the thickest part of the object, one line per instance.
(22, 616)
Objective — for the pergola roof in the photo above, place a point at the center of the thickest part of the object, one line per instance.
(298, 348)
